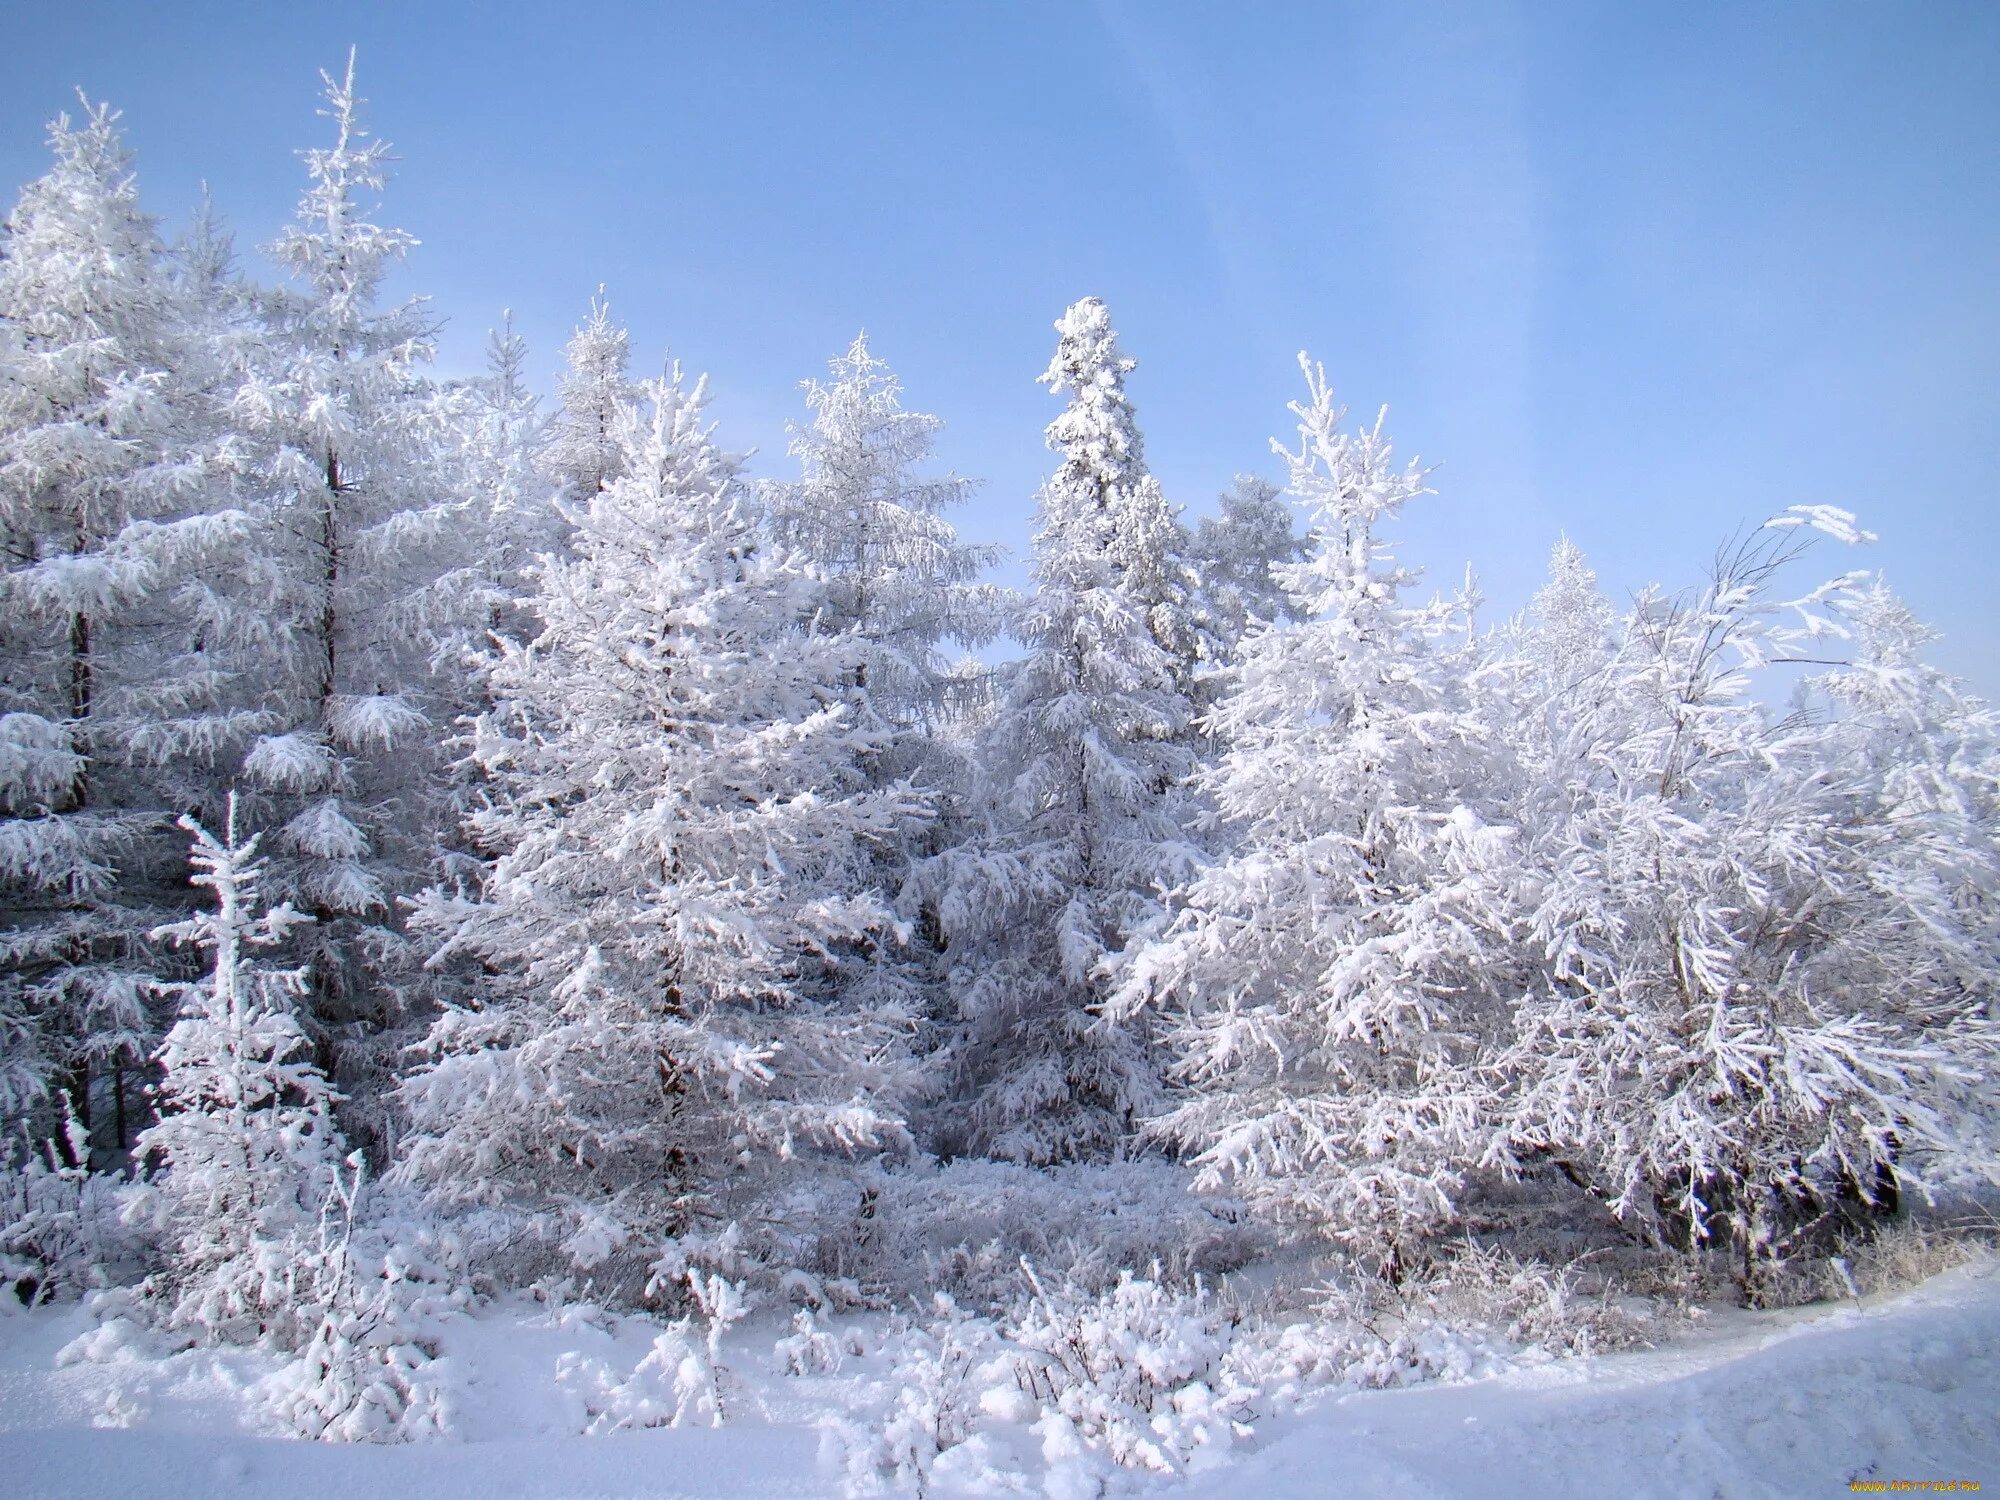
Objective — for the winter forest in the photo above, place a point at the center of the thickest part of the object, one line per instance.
(458, 844)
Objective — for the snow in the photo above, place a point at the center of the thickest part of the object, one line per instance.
(1769, 1404)
(1756, 1404)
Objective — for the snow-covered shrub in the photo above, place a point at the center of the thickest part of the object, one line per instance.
(807, 1349)
(1529, 1303)
(369, 1369)
(1139, 1373)
(59, 1224)
(1137, 1377)
(1903, 1253)
(680, 1382)
(1462, 1315)
(669, 1387)
(936, 1375)
(964, 1226)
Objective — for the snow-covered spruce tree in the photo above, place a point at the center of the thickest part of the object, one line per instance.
(510, 517)
(105, 475)
(583, 448)
(355, 574)
(521, 521)
(1324, 990)
(1763, 988)
(1235, 551)
(895, 572)
(1086, 756)
(1548, 669)
(245, 1149)
(253, 1211)
(682, 832)
(894, 575)
(1103, 456)
(510, 521)
(1572, 623)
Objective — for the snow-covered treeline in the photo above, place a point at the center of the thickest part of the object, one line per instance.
(447, 845)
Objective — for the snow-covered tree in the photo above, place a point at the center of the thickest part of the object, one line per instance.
(1235, 551)
(1540, 673)
(1762, 985)
(1104, 466)
(1085, 755)
(1572, 621)
(894, 575)
(105, 691)
(1324, 989)
(511, 519)
(355, 576)
(245, 1150)
(584, 449)
(492, 434)
(682, 830)
(895, 572)
(513, 513)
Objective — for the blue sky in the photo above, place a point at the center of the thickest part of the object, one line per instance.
(1644, 274)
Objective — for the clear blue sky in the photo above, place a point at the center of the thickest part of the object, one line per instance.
(1643, 273)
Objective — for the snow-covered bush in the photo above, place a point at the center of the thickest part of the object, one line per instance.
(1138, 1372)
(60, 1225)
(807, 1349)
(1460, 1323)
(368, 1370)
(934, 1408)
(1135, 1377)
(1531, 1304)
(681, 1381)
(1904, 1252)
(964, 1226)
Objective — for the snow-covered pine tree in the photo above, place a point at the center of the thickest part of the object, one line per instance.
(245, 1150)
(1548, 676)
(511, 517)
(1324, 989)
(583, 449)
(1085, 756)
(1235, 551)
(521, 519)
(895, 572)
(105, 691)
(682, 832)
(355, 573)
(512, 520)
(1103, 456)
(893, 575)
(1572, 621)
(1761, 987)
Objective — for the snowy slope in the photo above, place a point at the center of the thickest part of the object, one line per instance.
(1762, 1405)
(1778, 1405)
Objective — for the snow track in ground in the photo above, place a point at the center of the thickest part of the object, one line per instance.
(1794, 1404)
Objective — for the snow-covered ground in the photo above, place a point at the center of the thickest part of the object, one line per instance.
(1787, 1404)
